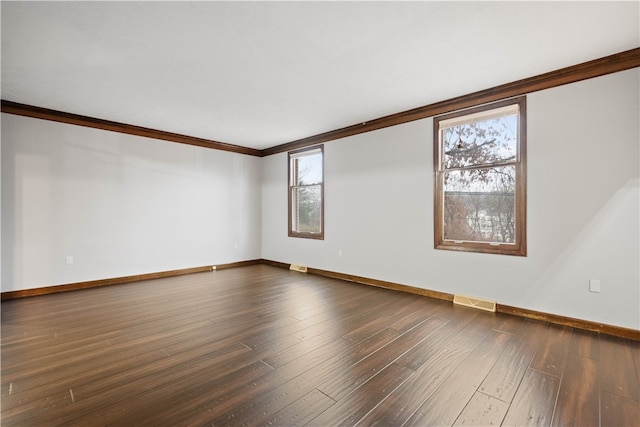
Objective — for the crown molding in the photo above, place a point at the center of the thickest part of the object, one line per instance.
(75, 119)
(587, 70)
(598, 67)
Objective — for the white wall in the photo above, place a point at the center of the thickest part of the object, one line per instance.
(583, 209)
(124, 205)
(119, 204)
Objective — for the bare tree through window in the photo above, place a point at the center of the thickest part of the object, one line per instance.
(480, 179)
(306, 193)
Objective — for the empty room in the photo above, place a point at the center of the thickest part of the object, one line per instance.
(320, 213)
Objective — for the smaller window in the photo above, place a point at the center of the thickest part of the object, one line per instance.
(306, 193)
(480, 191)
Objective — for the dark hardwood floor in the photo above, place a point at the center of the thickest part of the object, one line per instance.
(266, 346)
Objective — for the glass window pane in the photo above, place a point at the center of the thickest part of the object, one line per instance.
(482, 142)
(479, 205)
(307, 208)
(308, 169)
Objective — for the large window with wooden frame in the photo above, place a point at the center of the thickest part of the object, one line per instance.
(306, 193)
(480, 179)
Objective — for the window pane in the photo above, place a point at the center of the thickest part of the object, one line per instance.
(482, 142)
(307, 208)
(479, 205)
(305, 193)
(308, 169)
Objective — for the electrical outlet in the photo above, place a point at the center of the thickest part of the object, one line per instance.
(69, 259)
(594, 285)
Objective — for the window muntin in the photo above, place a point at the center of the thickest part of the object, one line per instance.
(480, 179)
(306, 193)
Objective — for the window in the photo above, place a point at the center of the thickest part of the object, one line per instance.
(480, 182)
(306, 193)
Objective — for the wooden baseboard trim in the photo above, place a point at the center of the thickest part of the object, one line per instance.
(102, 282)
(618, 331)
(237, 264)
(382, 284)
(275, 263)
(368, 281)
(120, 280)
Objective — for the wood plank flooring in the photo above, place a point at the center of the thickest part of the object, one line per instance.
(263, 346)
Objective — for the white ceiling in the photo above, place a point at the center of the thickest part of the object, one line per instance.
(260, 74)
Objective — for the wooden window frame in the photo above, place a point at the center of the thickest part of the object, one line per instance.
(290, 187)
(519, 247)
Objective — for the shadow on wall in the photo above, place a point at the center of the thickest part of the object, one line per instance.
(604, 246)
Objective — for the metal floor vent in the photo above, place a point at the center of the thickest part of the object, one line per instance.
(300, 268)
(479, 303)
